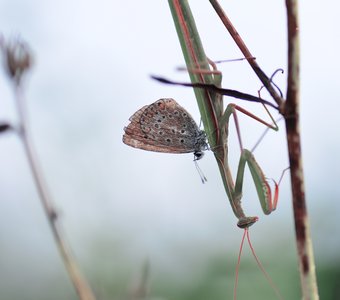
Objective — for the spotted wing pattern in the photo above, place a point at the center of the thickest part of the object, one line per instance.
(164, 126)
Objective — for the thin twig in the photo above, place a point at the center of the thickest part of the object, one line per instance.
(82, 287)
(244, 49)
(218, 90)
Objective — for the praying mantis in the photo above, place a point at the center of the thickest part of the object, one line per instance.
(234, 189)
(216, 119)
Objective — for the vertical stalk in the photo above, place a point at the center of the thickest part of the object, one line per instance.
(196, 59)
(292, 120)
(210, 103)
(79, 282)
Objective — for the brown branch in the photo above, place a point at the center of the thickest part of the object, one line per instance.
(292, 119)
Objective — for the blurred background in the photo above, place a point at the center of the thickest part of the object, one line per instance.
(123, 209)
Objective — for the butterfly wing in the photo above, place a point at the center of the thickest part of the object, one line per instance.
(163, 126)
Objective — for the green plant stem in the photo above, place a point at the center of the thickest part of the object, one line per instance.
(210, 103)
(292, 119)
(79, 282)
(196, 59)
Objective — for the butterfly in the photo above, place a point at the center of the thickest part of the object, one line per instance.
(165, 126)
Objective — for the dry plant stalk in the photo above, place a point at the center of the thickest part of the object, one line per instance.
(18, 61)
(292, 120)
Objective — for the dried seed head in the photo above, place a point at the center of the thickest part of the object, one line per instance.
(17, 57)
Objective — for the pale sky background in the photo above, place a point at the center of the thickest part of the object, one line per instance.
(91, 73)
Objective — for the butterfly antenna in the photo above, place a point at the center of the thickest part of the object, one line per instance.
(272, 284)
(200, 172)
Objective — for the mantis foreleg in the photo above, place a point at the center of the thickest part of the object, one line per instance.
(234, 190)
